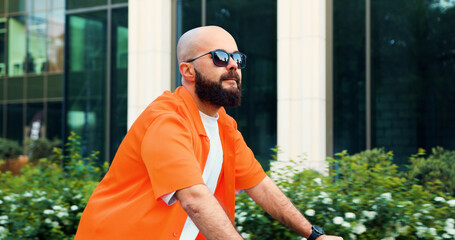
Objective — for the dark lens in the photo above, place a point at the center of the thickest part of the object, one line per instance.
(240, 58)
(220, 58)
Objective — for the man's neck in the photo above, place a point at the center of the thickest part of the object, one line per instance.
(206, 108)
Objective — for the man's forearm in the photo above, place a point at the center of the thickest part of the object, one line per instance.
(206, 213)
(274, 202)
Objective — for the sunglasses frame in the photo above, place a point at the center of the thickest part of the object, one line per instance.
(231, 55)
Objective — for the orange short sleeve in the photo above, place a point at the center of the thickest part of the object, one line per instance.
(167, 152)
(248, 171)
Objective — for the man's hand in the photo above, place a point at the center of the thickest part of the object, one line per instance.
(328, 237)
(274, 202)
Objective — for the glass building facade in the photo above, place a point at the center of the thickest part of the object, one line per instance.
(64, 65)
(96, 74)
(394, 68)
(31, 68)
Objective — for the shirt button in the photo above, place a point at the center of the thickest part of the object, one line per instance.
(176, 234)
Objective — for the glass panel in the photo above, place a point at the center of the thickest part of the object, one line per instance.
(14, 126)
(74, 4)
(257, 117)
(188, 17)
(119, 81)
(15, 89)
(17, 46)
(2, 88)
(56, 4)
(413, 68)
(2, 10)
(55, 86)
(35, 87)
(34, 120)
(56, 35)
(349, 132)
(54, 120)
(119, 1)
(86, 79)
(2, 120)
(35, 5)
(16, 6)
(2, 46)
(36, 43)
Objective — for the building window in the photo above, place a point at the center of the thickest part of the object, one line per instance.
(411, 75)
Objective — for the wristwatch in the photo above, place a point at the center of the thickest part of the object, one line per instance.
(316, 232)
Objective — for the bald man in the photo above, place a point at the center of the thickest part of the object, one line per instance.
(177, 170)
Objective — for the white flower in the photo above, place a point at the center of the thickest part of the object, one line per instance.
(39, 199)
(401, 229)
(74, 208)
(445, 235)
(318, 181)
(346, 224)
(323, 195)
(359, 228)
(54, 224)
(386, 196)
(3, 231)
(310, 212)
(48, 221)
(451, 203)
(13, 207)
(338, 220)
(8, 198)
(62, 214)
(327, 201)
(4, 217)
(1, 202)
(349, 215)
(369, 214)
(433, 231)
(28, 194)
(57, 207)
(48, 211)
(78, 196)
(439, 199)
(421, 230)
(356, 200)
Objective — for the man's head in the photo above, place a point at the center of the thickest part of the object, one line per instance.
(205, 71)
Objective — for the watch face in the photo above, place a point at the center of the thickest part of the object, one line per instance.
(318, 229)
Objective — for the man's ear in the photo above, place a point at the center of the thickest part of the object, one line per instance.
(187, 71)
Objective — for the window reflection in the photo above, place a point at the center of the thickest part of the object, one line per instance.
(16, 46)
(34, 5)
(2, 46)
(56, 33)
(36, 43)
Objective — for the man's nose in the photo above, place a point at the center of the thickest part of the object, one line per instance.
(232, 64)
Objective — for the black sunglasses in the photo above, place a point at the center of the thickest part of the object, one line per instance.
(221, 58)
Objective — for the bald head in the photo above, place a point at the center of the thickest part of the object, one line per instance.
(201, 40)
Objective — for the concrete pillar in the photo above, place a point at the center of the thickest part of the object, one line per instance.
(149, 52)
(302, 82)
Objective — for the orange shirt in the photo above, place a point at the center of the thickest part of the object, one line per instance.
(165, 150)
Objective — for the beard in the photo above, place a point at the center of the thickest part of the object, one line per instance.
(213, 92)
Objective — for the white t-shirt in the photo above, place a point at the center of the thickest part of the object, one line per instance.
(211, 172)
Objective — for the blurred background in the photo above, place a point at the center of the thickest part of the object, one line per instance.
(64, 67)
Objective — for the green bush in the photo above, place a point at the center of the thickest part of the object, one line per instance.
(363, 197)
(45, 201)
(40, 148)
(436, 172)
(9, 149)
